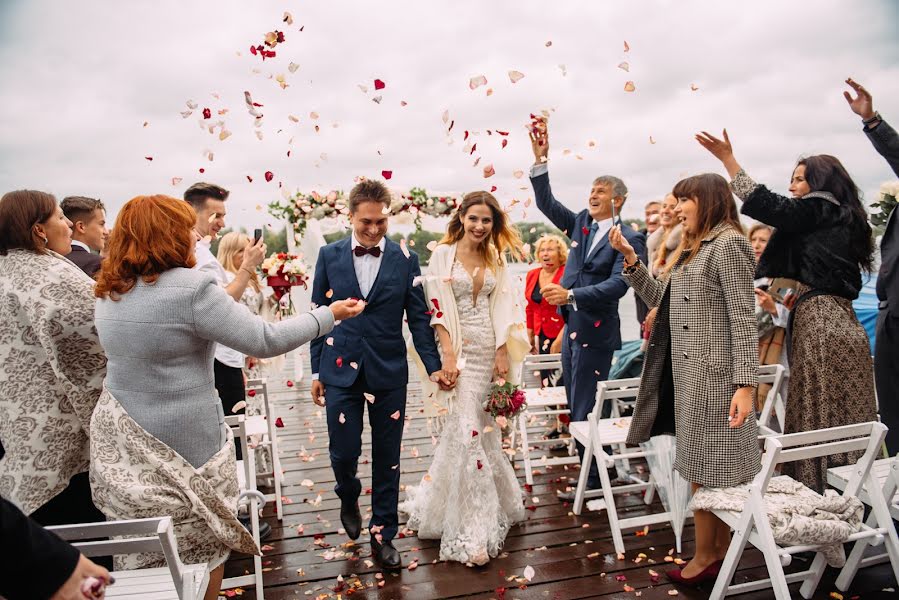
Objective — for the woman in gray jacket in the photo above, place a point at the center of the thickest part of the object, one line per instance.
(159, 444)
(701, 367)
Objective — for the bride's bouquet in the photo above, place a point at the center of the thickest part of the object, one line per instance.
(505, 401)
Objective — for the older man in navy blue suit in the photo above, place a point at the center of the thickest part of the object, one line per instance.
(589, 291)
(363, 361)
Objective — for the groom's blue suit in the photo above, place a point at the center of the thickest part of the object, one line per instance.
(367, 354)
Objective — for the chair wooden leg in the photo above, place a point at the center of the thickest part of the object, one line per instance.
(608, 497)
(582, 477)
(769, 549)
(732, 558)
(819, 565)
(525, 450)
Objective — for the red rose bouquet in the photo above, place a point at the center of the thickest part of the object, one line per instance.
(505, 401)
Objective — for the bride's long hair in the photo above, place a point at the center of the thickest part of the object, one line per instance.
(504, 239)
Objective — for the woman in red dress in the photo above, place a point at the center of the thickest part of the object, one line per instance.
(545, 325)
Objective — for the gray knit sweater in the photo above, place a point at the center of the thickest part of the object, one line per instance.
(160, 341)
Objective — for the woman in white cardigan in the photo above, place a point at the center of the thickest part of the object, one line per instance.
(470, 496)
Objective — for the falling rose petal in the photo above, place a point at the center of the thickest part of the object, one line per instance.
(694, 87)
(191, 105)
(489, 171)
(597, 323)
(354, 365)
(627, 48)
(186, 113)
(207, 113)
(474, 433)
(480, 465)
(269, 175)
(288, 18)
(341, 418)
(224, 134)
(572, 335)
(564, 70)
(629, 86)
(624, 66)
(377, 99)
(176, 180)
(339, 361)
(403, 103)
(404, 248)
(313, 115)
(330, 341)
(386, 174)
(476, 82)
(548, 44)
(289, 383)
(201, 169)
(292, 67)
(528, 573)
(518, 174)
(651, 141)
(329, 293)
(379, 85)
(516, 76)
(505, 141)
(293, 118)
(148, 158)
(492, 188)
(489, 92)
(673, 592)
(279, 422)
(362, 88)
(395, 416)
(369, 397)
(445, 117)
(239, 406)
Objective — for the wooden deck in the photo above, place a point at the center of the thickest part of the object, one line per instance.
(572, 557)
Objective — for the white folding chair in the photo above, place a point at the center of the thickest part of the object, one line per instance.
(249, 495)
(262, 427)
(543, 402)
(752, 525)
(776, 377)
(596, 432)
(885, 473)
(176, 581)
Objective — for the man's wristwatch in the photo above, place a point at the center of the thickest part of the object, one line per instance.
(570, 296)
(872, 120)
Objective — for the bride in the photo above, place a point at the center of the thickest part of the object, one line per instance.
(470, 496)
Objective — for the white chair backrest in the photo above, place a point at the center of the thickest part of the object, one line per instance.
(534, 364)
(823, 442)
(155, 535)
(618, 389)
(774, 376)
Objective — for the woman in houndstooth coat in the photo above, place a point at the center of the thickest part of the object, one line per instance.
(701, 367)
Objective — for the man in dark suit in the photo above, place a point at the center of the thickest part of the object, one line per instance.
(89, 232)
(886, 343)
(589, 291)
(363, 361)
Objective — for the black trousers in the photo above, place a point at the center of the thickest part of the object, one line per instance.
(886, 374)
(230, 386)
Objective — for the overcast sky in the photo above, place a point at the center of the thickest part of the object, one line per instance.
(78, 81)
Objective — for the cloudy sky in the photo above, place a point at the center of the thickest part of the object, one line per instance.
(91, 88)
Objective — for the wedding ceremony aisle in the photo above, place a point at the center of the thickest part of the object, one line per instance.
(565, 556)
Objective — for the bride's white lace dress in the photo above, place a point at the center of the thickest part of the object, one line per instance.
(470, 496)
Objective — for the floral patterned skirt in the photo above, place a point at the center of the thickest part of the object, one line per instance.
(135, 476)
(831, 379)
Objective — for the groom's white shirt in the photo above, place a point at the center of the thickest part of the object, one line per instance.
(366, 266)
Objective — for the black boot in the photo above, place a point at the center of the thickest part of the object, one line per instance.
(265, 530)
(385, 554)
(351, 519)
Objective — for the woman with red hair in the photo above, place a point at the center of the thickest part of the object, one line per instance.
(159, 441)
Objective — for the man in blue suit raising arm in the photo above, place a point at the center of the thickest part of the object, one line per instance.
(363, 361)
(588, 293)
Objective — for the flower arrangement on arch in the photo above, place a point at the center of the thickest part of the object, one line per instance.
(301, 207)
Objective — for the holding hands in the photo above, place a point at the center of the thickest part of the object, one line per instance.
(501, 363)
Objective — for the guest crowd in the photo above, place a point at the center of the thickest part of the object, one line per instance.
(122, 350)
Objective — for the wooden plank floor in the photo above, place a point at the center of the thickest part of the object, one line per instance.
(308, 555)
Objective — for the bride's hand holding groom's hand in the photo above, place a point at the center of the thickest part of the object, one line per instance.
(446, 376)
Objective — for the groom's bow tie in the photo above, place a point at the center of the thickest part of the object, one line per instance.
(360, 251)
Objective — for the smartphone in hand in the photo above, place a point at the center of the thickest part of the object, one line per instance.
(257, 235)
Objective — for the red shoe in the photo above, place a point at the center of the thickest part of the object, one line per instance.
(709, 574)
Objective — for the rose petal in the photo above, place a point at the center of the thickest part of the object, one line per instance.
(489, 171)
(379, 85)
(269, 175)
(341, 418)
(339, 362)
(476, 82)
(624, 66)
(369, 397)
(279, 422)
(386, 174)
(395, 416)
(516, 76)
(626, 47)
(629, 86)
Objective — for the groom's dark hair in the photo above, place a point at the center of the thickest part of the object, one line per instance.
(368, 191)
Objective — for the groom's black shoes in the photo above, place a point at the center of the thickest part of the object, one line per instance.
(385, 554)
(351, 518)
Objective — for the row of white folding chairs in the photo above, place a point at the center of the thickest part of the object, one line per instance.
(262, 428)
(251, 497)
(596, 432)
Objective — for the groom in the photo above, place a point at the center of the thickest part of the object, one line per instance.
(363, 361)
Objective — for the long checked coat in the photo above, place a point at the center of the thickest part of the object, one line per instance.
(714, 350)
